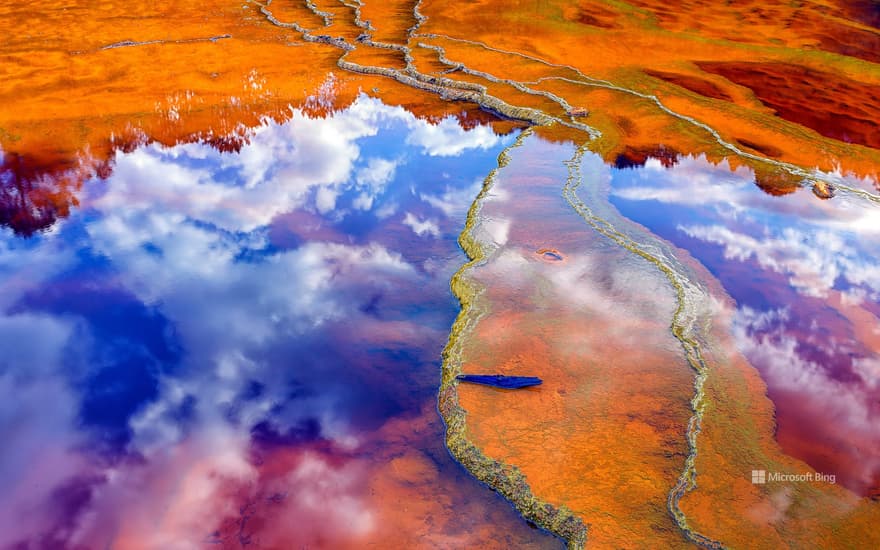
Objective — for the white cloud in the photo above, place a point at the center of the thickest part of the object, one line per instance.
(453, 201)
(372, 180)
(37, 420)
(421, 227)
(280, 167)
(377, 173)
(868, 369)
(447, 138)
(813, 242)
(185, 230)
(325, 199)
(492, 232)
(320, 487)
(845, 406)
(678, 185)
(272, 174)
(176, 499)
(24, 267)
(813, 261)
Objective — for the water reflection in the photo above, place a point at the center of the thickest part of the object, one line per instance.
(244, 348)
(806, 280)
(603, 435)
(31, 199)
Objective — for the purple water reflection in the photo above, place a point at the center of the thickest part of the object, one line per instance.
(243, 348)
(806, 279)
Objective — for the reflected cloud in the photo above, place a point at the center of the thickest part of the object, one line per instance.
(806, 279)
(310, 157)
(421, 227)
(36, 192)
(372, 180)
(304, 163)
(818, 245)
(448, 139)
(219, 339)
(813, 262)
(452, 200)
(38, 422)
(842, 414)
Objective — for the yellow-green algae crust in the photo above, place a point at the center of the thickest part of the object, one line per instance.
(507, 480)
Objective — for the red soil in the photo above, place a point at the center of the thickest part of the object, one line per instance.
(833, 105)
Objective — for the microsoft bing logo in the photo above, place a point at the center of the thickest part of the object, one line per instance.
(762, 477)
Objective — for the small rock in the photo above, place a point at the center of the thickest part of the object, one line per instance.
(823, 190)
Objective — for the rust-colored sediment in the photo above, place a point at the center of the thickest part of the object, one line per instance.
(833, 105)
(700, 86)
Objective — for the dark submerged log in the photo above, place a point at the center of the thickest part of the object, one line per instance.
(501, 381)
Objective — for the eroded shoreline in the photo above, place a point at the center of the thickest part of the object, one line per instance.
(505, 479)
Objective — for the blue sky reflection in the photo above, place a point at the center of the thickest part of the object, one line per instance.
(217, 346)
(805, 276)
